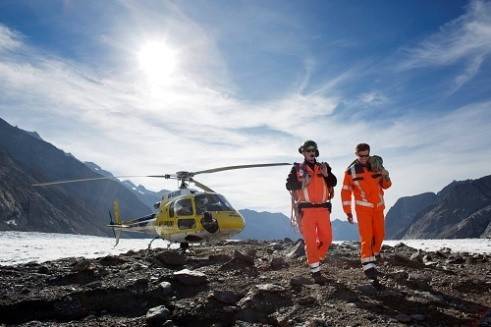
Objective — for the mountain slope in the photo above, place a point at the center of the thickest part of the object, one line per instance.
(402, 213)
(267, 226)
(461, 209)
(68, 208)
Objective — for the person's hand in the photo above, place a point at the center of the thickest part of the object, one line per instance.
(325, 169)
(350, 218)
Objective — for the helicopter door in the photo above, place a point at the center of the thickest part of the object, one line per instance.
(183, 210)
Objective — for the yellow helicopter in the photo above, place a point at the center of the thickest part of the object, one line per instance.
(185, 215)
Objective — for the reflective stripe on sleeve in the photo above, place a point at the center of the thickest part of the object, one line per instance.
(324, 191)
(306, 194)
(346, 203)
(357, 183)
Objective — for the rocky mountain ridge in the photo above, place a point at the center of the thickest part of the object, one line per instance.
(462, 209)
(79, 208)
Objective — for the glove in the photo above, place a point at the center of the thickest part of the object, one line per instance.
(325, 169)
(350, 218)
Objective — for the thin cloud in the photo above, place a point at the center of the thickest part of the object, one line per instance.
(9, 40)
(466, 39)
(373, 98)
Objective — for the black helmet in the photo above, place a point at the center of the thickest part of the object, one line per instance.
(309, 144)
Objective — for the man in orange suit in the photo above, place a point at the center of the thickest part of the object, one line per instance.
(366, 180)
(311, 185)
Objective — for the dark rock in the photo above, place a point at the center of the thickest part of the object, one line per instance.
(239, 260)
(112, 260)
(227, 297)
(262, 300)
(171, 258)
(419, 280)
(403, 317)
(94, 284)
(156, 316)
(278, 263)
(300, 280)
(416, 257)
(277, 246)
(486, 319)
(455, 259)
(250, 253)
(168, 323)
(43, 270)
(83, 265)
(216, 258)
(308, 300)
(418, 317)
(298, 250)
(190, 277)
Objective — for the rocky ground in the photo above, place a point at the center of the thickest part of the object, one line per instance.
(248, 284)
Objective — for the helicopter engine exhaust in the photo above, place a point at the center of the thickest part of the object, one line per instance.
(209, 223)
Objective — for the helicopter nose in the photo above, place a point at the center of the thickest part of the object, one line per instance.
(237, 222)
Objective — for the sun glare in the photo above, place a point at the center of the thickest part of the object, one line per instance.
(158, 61)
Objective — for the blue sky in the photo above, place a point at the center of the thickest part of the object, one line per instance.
(144, 87)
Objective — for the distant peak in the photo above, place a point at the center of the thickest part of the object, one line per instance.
(35, 135)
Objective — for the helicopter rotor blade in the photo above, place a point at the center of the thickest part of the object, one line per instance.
(215, 170)
(115, 178)
(200, 185)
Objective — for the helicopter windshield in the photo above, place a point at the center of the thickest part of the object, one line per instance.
(211, 202)
(183, 207)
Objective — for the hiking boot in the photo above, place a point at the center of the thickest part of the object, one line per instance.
(376, 284)
(318, 278)
(371, 273)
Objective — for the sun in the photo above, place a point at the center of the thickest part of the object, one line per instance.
(158, 61)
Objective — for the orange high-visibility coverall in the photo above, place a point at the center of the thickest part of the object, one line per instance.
(367, 187)
(312, 200)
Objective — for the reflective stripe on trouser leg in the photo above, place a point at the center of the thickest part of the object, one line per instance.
(369, 265)
(315, 267)
(365, 228)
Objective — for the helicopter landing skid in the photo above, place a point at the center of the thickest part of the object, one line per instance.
(150, 244)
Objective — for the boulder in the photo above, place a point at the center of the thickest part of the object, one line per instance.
(190, 277)
(227, 297)
(156, 316)
(171, 258)
(296, 251)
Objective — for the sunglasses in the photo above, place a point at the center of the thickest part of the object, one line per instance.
(363, 155)
(310, 150)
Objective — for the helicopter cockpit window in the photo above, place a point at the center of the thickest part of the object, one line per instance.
(183, 207)
(186, 223)
(211, 202)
